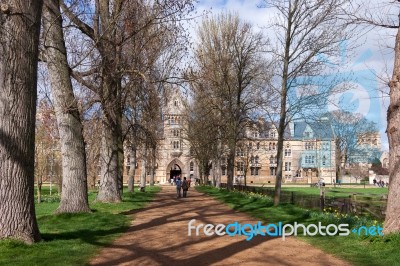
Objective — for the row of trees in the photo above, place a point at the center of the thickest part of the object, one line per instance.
(290, 75)
(120, 53)
(106, 63)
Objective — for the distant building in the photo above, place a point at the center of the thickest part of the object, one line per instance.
(367, 149)
(308, 152)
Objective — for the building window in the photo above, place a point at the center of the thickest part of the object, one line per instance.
(240, 166)
(254, 171)
(239, 153)
(256, 159)
(252, 159)
(256, 134)
(272, 134)
(288, 151)
(308, 159)
(191, 166)
(176, 144)
(223, 172)
(272, 171)
(324, 160)
(273, 146)
(176, 133)
(309, 146)
(258, 145)
(288, 166)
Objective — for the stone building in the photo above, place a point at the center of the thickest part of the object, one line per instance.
(309, 151)
(173, 158)
(308, 154)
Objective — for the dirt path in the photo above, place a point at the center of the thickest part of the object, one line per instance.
(159, 236)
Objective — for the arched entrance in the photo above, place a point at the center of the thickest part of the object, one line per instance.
(175, 171)
(174, 168)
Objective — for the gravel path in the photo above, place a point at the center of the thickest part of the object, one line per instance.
(159, 236)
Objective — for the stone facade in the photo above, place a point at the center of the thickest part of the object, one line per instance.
(309, 151)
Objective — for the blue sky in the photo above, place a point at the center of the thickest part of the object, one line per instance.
(373, 58)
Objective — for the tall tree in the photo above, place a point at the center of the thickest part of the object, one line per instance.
(111, 27)
(19, 39)
(386, 14)
(230, 67)
(74, 197)
(304, 29)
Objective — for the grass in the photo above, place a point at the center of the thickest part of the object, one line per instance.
(71, 239)
(359, 250)
(338, 192)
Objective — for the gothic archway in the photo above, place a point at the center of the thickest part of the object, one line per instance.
(174, 169)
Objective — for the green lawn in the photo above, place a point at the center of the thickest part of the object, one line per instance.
(338, 191)
(360, 250)
(71, 239)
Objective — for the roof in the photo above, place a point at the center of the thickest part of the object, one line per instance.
(320, 130)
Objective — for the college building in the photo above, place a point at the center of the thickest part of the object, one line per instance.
(309, 151)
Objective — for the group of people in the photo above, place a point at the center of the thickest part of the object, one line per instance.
(380, 183)
(182, 185)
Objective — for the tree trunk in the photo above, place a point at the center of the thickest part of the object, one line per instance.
(132, 169)
(281, 132)
(218, 173)
(19, 38)
(109, 190)
(39, 190)
(230, 168)
(74, 197)
(143, 175)
(392, 220)
(120, 164)
(283, 113)
(153, 165)
(110, 183)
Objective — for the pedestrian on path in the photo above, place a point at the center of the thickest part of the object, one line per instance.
(178, 187)
(185, 187)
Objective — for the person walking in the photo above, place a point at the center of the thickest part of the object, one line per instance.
(178, 183)
(185, 187)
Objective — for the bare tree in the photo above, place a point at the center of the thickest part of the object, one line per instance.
(386, 14)
(19, 39)
(230, 67)
(348, 129)
(110, 30)
(201, 131)
(303, 30)
(74, 196)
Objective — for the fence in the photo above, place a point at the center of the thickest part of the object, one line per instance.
(357, 204)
